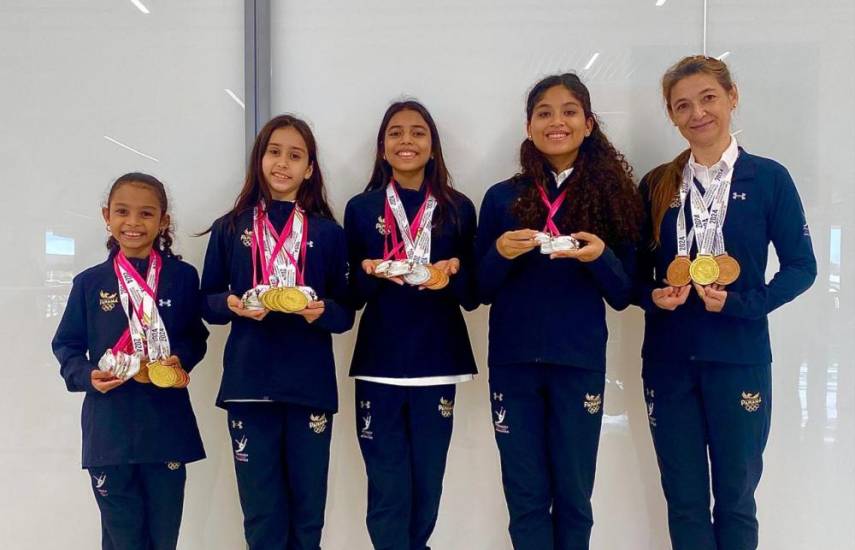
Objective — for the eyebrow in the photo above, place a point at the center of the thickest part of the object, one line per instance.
(573, 103)
(146, 206)
(274, 144)
(422, 126)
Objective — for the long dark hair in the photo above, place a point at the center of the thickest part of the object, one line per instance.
(602, 198)
(665, 179)
(436, 173)
(163, 242)
(312, 195)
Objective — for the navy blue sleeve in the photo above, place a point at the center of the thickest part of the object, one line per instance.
(191, 343)
(644, 278)
(70, 342)
(338, 315)
(215, 278)
(789, 233)
(493, 268)
(463, 283)
(362, 286)
(613, 272)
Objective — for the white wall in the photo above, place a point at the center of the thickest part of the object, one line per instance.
(75, 72)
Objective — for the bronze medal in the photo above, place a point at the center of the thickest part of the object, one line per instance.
(142, 376)
(678, 271)
(728, 269)
(704, 270)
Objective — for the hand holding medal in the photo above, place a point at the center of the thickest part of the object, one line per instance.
(670, 297)
(592, 248)
(168, 373)
(243, 309)
(713, 296)
(512, 244)
(104, 381)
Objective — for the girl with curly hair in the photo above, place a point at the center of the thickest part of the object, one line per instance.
(554, 242)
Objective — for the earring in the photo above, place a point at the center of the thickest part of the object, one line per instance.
(108, 228)
(529, 137)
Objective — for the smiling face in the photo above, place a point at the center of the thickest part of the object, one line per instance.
(701, 109)
(407, 146)
(135, 218)
(285, 164)
(558, 126)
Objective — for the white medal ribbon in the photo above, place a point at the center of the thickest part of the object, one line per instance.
(418, 250)
(708, 213)
(148, 335)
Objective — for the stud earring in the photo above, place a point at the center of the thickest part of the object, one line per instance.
(108, 228)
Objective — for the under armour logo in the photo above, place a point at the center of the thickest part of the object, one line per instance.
(498, 396)
(365, 404)
(164, 303)
(740, 196)
(310, 244)
(237, 424)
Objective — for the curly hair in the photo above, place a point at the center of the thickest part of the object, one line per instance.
(165, 238)
(602, 197)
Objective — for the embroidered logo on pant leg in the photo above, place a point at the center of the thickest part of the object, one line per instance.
(237, 424)
(593, 403)
(648, 398)
(240, 454)
(499, 423)
(318, 423)
(100, 484)
(173, 465)
(446, 407)
(366, 432)
(751, 401)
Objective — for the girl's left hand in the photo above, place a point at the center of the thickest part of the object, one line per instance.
(450, 266)
(314, 310)
(593, 248)
(172, 361)
(713, 296)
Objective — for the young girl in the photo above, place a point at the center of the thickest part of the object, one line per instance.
(711, 213)
(410, 241)
(130, 333)
(554, 242)
(279, 248)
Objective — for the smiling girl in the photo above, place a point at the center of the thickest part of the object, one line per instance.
(130, 334)
(554, 243)
(279, 386)
(410, 239)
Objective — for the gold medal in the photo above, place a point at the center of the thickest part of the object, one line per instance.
(704, 270)
(267, 299)
(439, 280)
(161, 375)
(142, 376)
(728, 269)
(292, 300)
(183, 378)
(678, 271)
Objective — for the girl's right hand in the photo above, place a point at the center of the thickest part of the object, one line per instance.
(670, 297)
(104, 381)
(236, 305)
(370, 267)
(516, 243)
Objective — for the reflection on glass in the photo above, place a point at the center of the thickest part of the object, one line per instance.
(59, 245)
(834, 261)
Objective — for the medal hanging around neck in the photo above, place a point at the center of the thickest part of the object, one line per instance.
(146, 334)
(712, 264)
(550, 238)
(410, 257)
(282, 256)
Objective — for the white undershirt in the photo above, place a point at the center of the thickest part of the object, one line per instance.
(562, 177)
(704, 175)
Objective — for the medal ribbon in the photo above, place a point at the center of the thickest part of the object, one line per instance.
(416, 238)
(283, 255)
(552, 208)
(146, 333)
(711, 205)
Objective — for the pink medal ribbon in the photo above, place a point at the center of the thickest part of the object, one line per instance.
(396, 249)
(120, 262)
(259, 225)
(553, 209)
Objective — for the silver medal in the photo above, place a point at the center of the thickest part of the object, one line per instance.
(418, 276)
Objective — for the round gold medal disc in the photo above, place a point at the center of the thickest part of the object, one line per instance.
(293, 300)
(142, 376)
(183, 378)
(678, 271)
(266, 298)
(435, 276)
(704, 270)
(728, 269)
(441, 283)
(161, 375)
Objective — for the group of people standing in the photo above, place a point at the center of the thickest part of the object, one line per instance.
(552, 245)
